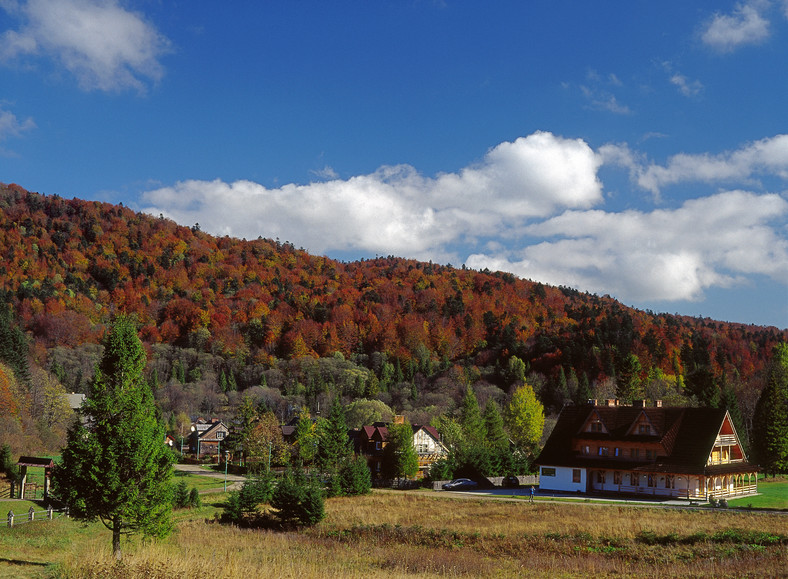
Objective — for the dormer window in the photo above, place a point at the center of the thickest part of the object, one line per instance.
(596, 427)
(644, 429)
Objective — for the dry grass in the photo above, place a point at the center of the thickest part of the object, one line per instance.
(393, 534)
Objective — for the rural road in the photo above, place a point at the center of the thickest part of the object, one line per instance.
(234, 481)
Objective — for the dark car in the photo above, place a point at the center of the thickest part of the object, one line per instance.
(460, 484)
(510, 482)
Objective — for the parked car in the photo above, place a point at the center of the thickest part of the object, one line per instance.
(460, 484)
(510, 482)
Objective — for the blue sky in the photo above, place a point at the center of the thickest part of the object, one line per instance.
(636, 149)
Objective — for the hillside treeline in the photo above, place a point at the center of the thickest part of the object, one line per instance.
(225, 318)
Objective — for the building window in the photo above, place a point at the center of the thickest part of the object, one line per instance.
(651, 455)
(635, 453)
(669, 482)
(596, 427)
(652, 480)
(575, 475)
(618, 451)
(634, 479)
(600, 477)
(548, 471)
(220, 435)
(616, 477)
(586, 450)
(603, 451)
(644, 429)
(378, 446)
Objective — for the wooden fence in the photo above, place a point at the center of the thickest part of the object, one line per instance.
(32, 515)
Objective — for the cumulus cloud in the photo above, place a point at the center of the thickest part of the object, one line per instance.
(531, 207)
(105, 46)
(396, 209)
(767, 156)
(660, 255)
(726, 33)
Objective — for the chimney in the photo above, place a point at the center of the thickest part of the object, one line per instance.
(592, 401)
(399, 419)
(639, 403)
(657, 403)
(611, 402)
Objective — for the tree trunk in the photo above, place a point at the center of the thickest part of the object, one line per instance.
(116, 539)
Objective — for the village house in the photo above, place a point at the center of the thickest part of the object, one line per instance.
(690, 453)
(206, 437)
(369, 442)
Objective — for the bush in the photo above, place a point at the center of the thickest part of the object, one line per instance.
(242, 505)
(180, 495)
(298, 501)
(194, 499)
(441, 470)
(355, 477)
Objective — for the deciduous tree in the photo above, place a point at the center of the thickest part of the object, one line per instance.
(525, 418)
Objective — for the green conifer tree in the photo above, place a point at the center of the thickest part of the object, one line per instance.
(117, 468)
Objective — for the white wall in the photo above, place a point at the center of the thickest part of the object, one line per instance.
(562, 481)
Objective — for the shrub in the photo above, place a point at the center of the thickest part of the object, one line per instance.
(180, 495)
(298, 501)
(242, 505)
(355, 477)
(194, 499)
(441, 470)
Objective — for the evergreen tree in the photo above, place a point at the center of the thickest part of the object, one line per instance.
(770, 423)
(13, 346)
(117, 468)
(628, 381)
(399, 455)
(298, 500)
(471, 419)
(334, 445)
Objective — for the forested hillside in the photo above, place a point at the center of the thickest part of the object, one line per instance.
(223, 318)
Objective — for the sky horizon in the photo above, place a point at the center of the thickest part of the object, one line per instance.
(628, 150)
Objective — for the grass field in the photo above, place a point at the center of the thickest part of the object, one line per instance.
(406, 534)
(772, 494)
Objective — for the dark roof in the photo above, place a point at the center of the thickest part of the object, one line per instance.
(686, 436)
(35, 461)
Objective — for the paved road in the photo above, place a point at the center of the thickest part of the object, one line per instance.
(234, 481)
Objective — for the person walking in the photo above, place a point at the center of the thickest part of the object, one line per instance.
(531, 500)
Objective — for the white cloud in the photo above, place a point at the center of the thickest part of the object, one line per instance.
(397, 210)
(11, 126)
(529, 207)
(661, 255)
(105, 46)
(686, 87)
(726, 33)
(767, 156)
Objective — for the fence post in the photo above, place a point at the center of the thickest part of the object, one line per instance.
(31, 514)
(10, 518)
(49, 512)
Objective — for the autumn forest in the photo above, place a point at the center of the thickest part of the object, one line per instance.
(225, 319)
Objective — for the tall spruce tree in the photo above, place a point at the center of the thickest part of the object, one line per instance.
(770, 423)
(334, 444)
(116, 468)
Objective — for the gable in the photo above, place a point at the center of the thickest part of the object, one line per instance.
(642, 426)
(594, 424)
(727, 446)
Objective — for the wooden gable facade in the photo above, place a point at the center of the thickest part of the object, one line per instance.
(369, 441)
(692, 453)
(207, 437)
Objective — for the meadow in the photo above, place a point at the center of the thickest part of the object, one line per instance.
(415, 534)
